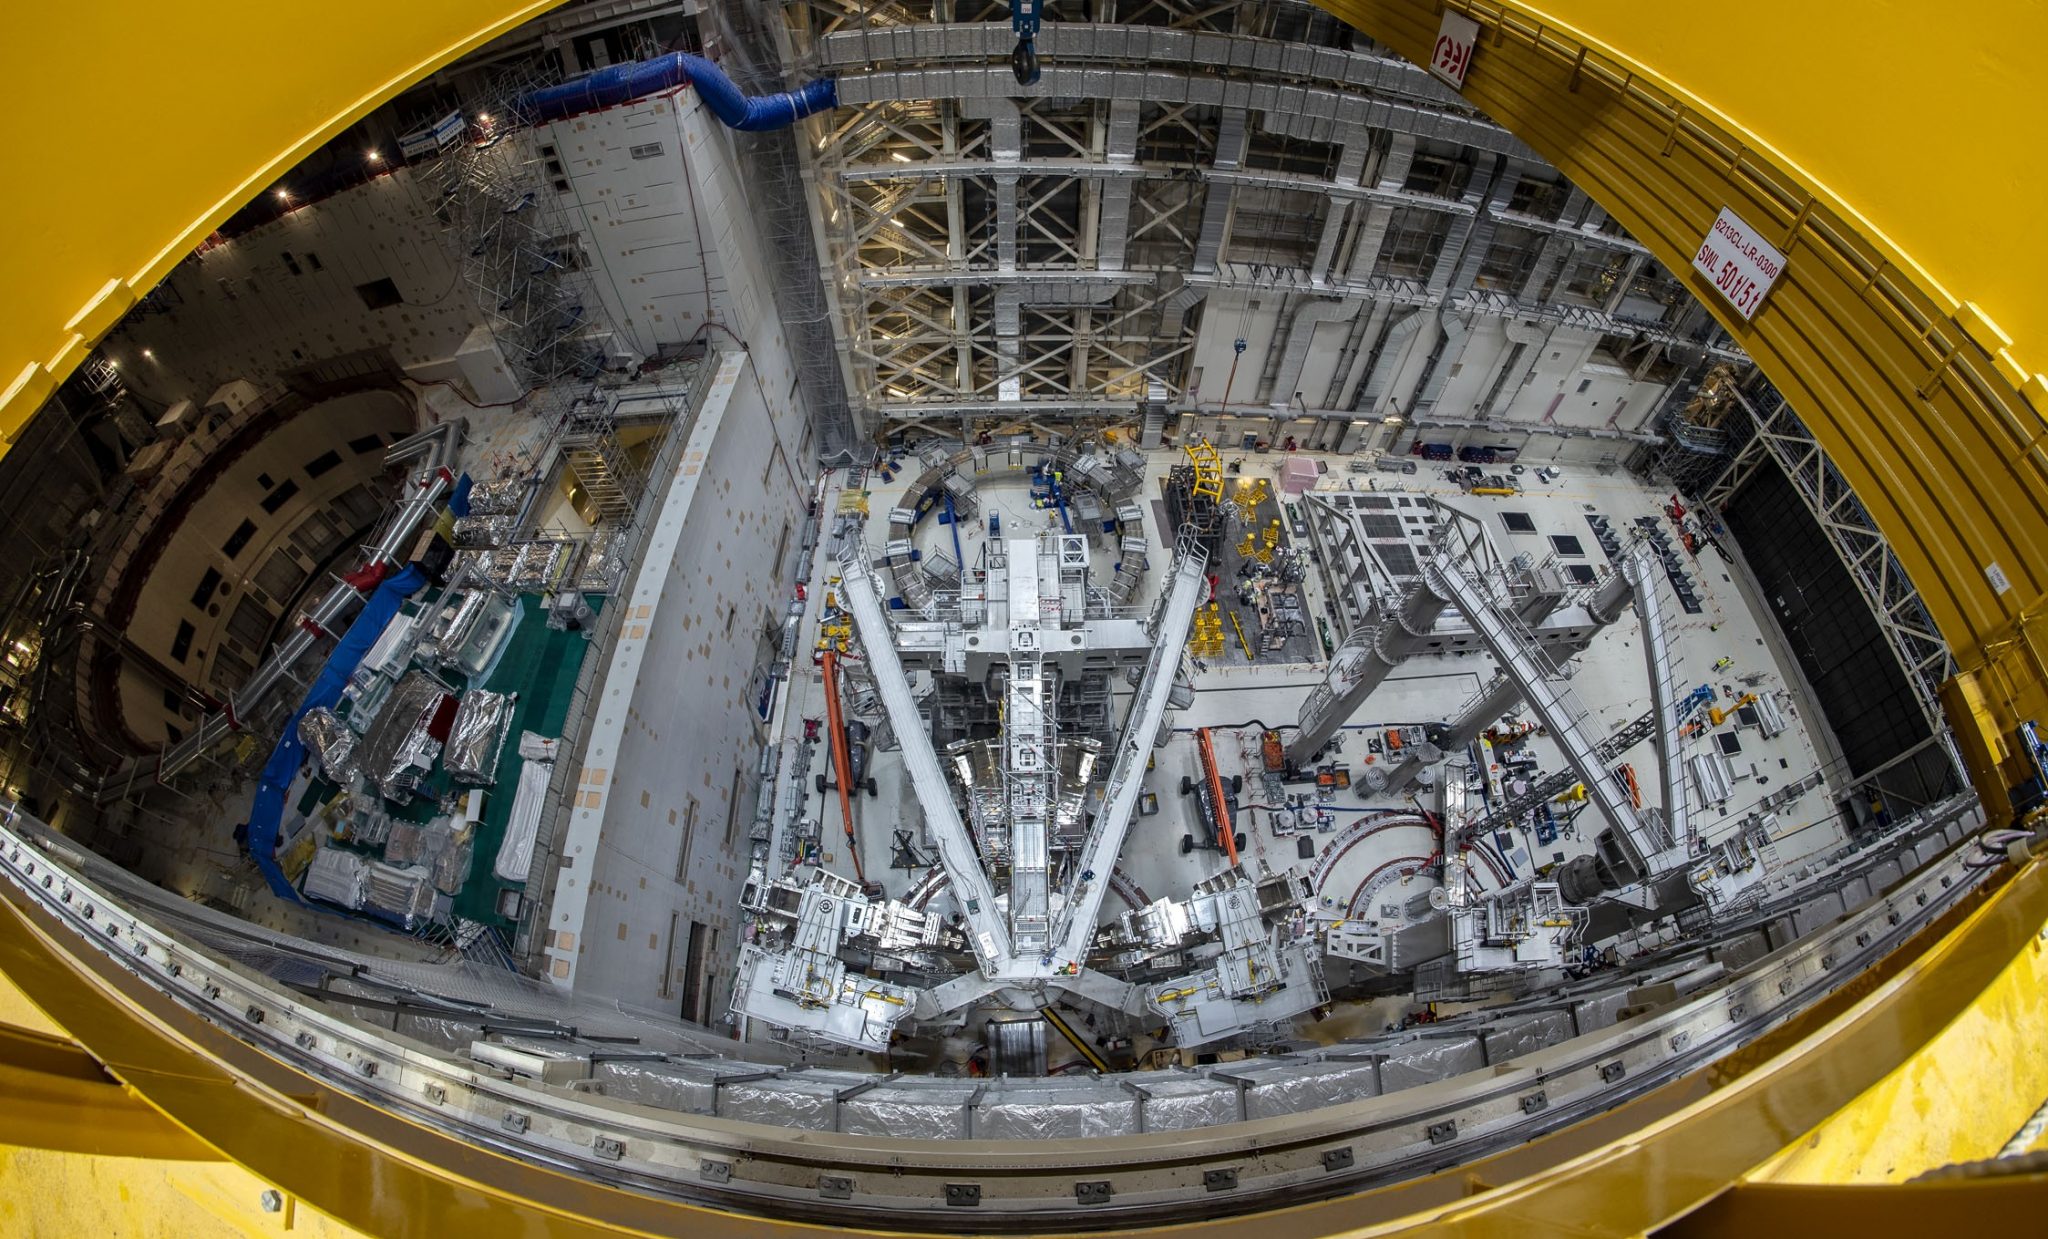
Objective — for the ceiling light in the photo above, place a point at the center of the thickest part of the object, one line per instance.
(899, 156)
(375, 157)
(284, 195)
(149, 354)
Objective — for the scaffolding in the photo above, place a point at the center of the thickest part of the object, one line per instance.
(519, 255)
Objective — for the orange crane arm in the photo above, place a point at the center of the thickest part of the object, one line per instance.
(842, 760)
(1216, 793)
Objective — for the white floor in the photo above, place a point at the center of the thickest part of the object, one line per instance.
(1610, 680)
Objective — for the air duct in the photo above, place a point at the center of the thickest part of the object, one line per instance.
(1528, 338)
(1442, 360)
(1300, 333)
(638, 79)
(1386, 361)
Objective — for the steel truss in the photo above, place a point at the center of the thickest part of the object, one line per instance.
(1050, 254)
(1780, 437)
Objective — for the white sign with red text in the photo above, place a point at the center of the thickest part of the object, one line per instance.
(1455, 40)
(1739, 264)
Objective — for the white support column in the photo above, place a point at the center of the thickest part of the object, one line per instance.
(1134, 748)
(1550, 698)
(989, 936)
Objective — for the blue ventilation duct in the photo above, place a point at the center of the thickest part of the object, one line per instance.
(283, 765)
(627, 82)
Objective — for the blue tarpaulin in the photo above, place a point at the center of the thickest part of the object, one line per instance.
(458, 500)
(283, 765)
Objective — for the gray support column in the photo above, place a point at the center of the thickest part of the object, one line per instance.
(1006, 149)
(1557, 706)
(1361, 667)
(956, 258)
(1503, 694)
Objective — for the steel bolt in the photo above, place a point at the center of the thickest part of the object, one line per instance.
(273, 1201)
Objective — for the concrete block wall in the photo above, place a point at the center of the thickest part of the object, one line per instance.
(658, 838)
(167, 597)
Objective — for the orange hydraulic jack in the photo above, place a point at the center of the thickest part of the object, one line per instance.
(842, 761)
(1208, 750)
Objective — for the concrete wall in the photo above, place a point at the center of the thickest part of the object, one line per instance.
(627, 192)
(677, 726)
(1543, 394)
(288, 546)
(239, 310)
(284, 297)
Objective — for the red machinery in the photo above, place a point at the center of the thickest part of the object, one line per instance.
(842, 761)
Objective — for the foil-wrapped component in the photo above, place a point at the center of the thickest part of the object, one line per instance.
(503, 497)
(478, 735)
(397, 752)
(604, 562)
(541, 565)
(338, 877)
(330, 742)
(522, 829)
(411, 843)
(402, 893)
(451, 870)
(476, 531)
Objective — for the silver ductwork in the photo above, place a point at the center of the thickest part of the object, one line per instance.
(1300, 333)
(1392, 349)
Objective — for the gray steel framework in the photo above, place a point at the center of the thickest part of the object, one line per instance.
(1777, 435)
(997, 251)
(1334, 1119)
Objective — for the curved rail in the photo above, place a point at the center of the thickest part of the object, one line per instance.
(312, 1102)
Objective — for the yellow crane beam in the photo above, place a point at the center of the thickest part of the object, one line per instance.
(136, 129)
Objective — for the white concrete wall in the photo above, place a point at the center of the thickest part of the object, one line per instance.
(166, 597)
(239, 311)
(677, 721)
(635, 212)
(1543, 394)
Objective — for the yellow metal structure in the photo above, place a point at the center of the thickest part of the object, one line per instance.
(1249, 495)
(1208, 469)
(1907, 330)
(147, 124)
